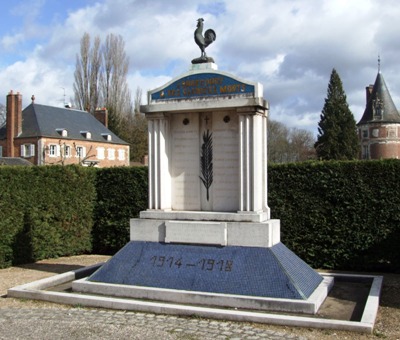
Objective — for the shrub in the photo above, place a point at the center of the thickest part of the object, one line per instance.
(334, 215)
(45, 212)
(337, 214)
(121, 194)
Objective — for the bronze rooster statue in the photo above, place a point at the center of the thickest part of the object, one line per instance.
(203, 41)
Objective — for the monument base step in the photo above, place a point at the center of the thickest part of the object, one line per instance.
(206, 232)
(308, 306)
(272, 278)
(179, 215)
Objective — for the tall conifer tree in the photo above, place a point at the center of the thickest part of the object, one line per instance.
(337, 136)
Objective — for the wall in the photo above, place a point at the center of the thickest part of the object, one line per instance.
(381, 142)
(91, 150)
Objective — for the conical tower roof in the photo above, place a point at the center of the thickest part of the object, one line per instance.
(380, 106)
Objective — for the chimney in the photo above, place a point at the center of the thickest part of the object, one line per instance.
(368, 92)
(102, 116)
(14, 120)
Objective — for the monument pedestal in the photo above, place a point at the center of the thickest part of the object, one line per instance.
(207, 237)
(224, 263)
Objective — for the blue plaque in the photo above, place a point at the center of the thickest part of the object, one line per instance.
(203, 85)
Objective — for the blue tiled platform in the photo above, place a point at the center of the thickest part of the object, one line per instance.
(274, 272)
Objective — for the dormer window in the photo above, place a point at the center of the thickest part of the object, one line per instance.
(107, 136)
(86, 134)
(377, 108)
(62, 132)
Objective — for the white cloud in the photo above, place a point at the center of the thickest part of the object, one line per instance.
(32, 77)
(289, 46)
(9, 42)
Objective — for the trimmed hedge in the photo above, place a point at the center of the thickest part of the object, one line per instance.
(339, 215)
(121, 194)
(44, 212)
(50, 211)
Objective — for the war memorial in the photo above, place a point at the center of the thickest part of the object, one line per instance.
(207, 245)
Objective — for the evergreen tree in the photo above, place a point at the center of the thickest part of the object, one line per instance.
(337, 136)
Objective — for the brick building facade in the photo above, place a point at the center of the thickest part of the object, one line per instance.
(47, 135)
(379, 127)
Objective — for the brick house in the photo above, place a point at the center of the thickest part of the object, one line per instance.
(46, 135)
(379, 127)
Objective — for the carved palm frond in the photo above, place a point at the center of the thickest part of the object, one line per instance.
(206, 161)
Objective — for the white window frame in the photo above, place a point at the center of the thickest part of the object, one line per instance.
(101, 153)
(54, 150)
(80, 152)
(27, 150)
(67, 151)
(111, 154)
(121, 154)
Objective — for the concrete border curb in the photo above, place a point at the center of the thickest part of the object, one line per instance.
(36, 290)
(197, 298)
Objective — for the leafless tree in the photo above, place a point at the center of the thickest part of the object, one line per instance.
(2, 114)
(87, 74)
(289, 145)
(138, 138)
(115, 93)
(83, 158)
(278, 142)
(138, 100)
(302, 145)
(100, 79)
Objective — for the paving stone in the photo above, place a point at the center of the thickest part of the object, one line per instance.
(43, 324)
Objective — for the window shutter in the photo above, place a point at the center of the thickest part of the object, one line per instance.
(57, 150)
(83, 152)
(32, 149)
(22, 150)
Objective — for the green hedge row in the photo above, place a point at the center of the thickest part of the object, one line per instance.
(339, 215)
(121, 194)
(59, 211)
(44, 212)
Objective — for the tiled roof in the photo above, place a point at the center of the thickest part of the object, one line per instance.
(47, 121)
(14, 161)
(380, 99)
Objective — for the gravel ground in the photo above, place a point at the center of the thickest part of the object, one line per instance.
(26, 319)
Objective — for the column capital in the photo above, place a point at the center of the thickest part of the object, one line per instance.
(156, 115)
(252, 111)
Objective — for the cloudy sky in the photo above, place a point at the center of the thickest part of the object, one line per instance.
(289, 46)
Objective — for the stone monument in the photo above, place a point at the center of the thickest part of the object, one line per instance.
(207, 237)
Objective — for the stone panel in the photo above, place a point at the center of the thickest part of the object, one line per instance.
(226, 162)
(185, 161)
(196, 232)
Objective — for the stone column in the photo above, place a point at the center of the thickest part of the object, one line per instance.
(253, 160)
(159, 172)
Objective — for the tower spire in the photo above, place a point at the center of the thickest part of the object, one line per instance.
(379, 63)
